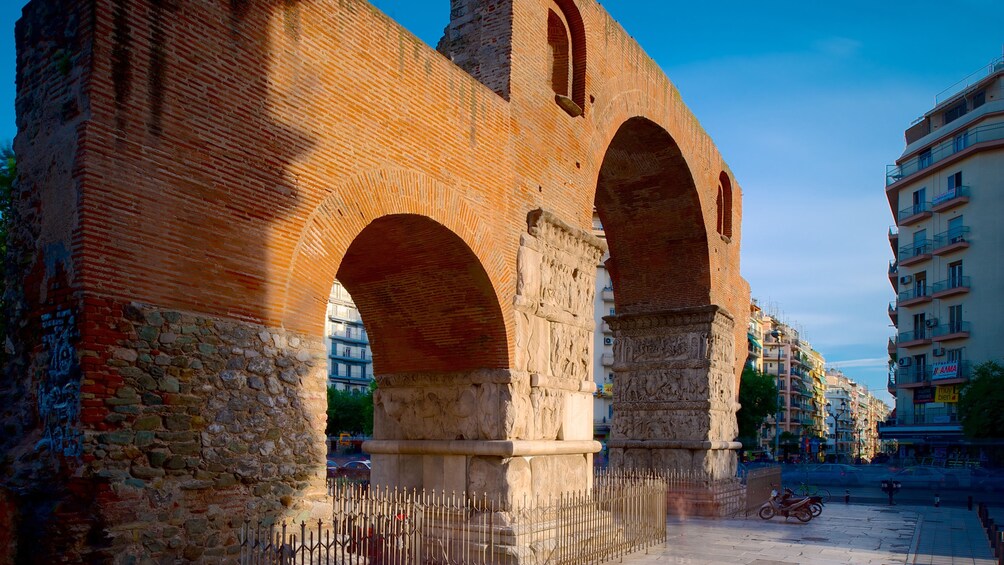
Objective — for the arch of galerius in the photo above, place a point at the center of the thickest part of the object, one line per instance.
(194, 175)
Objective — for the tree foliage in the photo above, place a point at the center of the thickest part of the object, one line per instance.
(350, 411)
(981, 402)
(758, 397)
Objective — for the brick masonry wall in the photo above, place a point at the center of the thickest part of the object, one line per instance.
(213, 162)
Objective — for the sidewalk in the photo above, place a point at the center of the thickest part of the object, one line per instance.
(842, 534)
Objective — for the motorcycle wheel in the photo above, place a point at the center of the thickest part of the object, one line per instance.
(815, 509)
(803, 514)
(766, 512)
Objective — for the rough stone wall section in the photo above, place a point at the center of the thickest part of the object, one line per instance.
(479, 40)
(193, 413)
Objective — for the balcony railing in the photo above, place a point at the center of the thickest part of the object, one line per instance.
(910, 211)
(916, 249)
(955, 329)
(951, 284)
(930, 417)
(951, 237)
(913, 375)
(973, 78)
(905, 337)
(950, 198)
(915, 292)
(945, 149)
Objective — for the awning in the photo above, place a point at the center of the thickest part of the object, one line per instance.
(755, 341)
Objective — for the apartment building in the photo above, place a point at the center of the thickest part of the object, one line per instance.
(754, 338)
(350, 363)
(603, 345)
(946, 193)
(798, 370)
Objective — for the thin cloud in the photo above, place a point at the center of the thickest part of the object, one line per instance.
(859, 363)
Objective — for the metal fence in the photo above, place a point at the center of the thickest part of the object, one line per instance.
(622, 513)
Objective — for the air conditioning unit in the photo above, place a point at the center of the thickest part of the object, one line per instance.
(608, 341)
(931, 322)
(905, 362)
(906, 279)
(938, 352)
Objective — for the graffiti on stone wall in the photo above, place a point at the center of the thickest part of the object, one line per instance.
(59, 389)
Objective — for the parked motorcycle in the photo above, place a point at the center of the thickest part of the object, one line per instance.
(778, 505)
(815, 502)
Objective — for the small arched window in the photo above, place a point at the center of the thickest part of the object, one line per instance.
(559, 50)
(724, 205)
(566, 43)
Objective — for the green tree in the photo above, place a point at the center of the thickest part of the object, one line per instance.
(758, 397)
(350, 411)
(981, 400)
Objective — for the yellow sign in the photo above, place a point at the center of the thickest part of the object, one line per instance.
(608, 389)
(948, 393)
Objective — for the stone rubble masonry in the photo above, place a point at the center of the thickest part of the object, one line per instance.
(193, 176)
(223, 418)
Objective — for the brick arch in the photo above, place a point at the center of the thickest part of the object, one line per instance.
(427, 303)
(652, 214)
(340, 218)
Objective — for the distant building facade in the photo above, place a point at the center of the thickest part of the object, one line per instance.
(350, 363)
(603, 345)
(945, 193)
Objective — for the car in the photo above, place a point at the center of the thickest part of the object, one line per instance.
(333, 468)
(361, 464)
(922, 476)
(834, 474)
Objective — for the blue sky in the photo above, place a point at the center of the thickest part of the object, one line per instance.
(808, 102)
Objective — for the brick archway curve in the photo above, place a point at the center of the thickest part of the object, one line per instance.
(337, 220)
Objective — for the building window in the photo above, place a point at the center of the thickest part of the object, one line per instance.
(955, 318)
(954, 355)
(956, 231)
(955, 274)
(919, 200)
(979, 99)
(919, 242)
(566, 43)
(960, 142)
(955, 112)
(924, 159)
(724, 205)
(955, 180)
(919, 326)
(920, 284)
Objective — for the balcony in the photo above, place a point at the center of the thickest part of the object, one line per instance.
(943, 150)
(950, 287)
(893, 238)
(914, 338)
(950, 199)
(914, 214)
(912, 375)
(941, 416)
(607, 360)
(950, 331)
(950, 372)
(916, 295)
(893, 272)
(916, 252)
(951, 240)
(891, 347)
(608, 294)
(893, 313)
(357, 357)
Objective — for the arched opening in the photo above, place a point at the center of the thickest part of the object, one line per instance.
(673, 399)
(558, 51)
(648, 204)
(566, 41)
(428, 303)
(724, 205)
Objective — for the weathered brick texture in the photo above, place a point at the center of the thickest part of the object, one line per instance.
(195, 174)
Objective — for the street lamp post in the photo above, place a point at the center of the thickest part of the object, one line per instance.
(776, 334)
(838, 413)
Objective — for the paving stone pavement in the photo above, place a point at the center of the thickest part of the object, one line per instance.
(842, 534)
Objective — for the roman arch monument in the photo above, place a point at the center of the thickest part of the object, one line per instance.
(194, 175)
